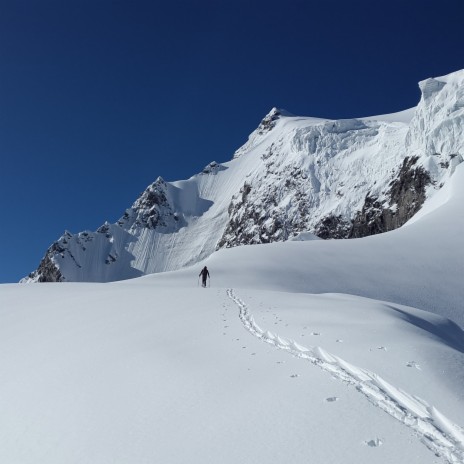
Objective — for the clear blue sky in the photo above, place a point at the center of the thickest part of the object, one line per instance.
(99, 97)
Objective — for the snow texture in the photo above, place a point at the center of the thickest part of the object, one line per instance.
(260, 370)
(438, 433)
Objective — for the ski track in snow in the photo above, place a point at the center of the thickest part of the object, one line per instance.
(444, 438)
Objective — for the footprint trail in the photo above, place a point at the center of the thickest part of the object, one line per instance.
(439, 434)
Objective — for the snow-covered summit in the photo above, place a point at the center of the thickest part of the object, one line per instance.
(435, 133)
(312, 330)
(332, 178)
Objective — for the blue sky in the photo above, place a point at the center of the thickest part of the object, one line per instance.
(99, 97)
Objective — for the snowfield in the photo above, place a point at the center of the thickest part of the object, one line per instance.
(304, 351)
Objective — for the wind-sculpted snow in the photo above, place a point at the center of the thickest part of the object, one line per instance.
(332, 178)
(437, 432)
(436, 129)
(125, 372)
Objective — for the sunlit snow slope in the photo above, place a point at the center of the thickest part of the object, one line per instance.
(251, 369)
(333, 178)
(301, 351)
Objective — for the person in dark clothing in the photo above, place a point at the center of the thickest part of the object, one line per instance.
(204, 275)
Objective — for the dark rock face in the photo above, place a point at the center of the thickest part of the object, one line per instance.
(269, 121)
(333, 227)
(150, 205)
(213, 168)
(48, 271)
(405, 197)
(111, 259)
(254, 220)
(242, 227)
(152, 210)
(262, 222)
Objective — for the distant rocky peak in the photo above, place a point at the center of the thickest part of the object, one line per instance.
(103, 229)
(152, 210)
(154, 194)
(269, 121)
(266, 125)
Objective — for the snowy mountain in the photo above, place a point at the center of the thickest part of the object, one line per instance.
(331, 178)
(302, 350)
(299, 351)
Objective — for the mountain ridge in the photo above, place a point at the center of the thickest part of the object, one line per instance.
(345, 178)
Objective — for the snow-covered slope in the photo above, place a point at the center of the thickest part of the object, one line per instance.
(157, 369)
(115, 373)
(254, 368)
(333, 178)
(420, 264)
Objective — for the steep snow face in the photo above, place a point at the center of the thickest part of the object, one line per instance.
(313, 172)
(332, 178)
(435, 133)
(420, 264)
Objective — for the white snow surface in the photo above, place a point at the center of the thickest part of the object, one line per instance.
(420, 264)
(320, 351)
(302, 351)
(332, 164)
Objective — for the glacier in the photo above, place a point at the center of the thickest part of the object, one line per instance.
(331, 178)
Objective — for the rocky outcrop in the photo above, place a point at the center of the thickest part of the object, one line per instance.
(262, 219)
(48, 271)
(269, 121)
(267, 124)
(152, 210)
(213, 168)
(332, 227)
(404, 198)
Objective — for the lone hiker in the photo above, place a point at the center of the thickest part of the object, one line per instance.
(204, 275)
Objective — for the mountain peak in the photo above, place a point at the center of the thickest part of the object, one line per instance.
(276, 112)
(335, 179)
(269, 121)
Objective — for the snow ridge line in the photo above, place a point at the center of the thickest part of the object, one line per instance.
(439, 434)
